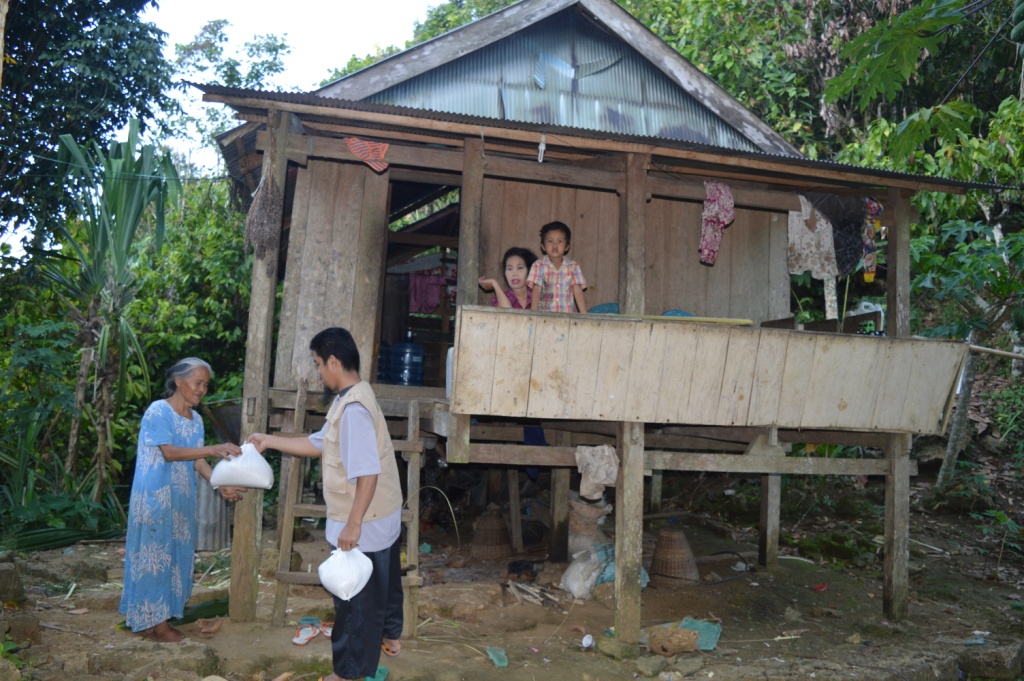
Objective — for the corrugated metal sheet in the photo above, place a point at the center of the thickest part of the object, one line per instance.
(566, 71)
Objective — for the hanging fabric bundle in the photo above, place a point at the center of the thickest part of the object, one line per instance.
(872, 226)
(263, 222)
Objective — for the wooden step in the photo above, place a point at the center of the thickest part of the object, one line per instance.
(312, 578)
(320, 511)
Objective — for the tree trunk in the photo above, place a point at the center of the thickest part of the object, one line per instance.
(4, 5)
(103, 408)
(959, 427)
(81, 385)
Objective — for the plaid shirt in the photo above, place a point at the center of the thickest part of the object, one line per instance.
(556, 284)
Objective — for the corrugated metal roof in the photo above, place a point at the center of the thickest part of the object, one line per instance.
(566, 71)
(261, 97)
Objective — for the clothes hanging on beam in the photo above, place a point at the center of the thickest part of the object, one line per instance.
(719, 212)
(811, 246)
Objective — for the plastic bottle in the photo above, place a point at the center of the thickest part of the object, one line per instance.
(407, 362)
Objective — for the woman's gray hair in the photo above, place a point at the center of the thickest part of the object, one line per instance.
(181, 369)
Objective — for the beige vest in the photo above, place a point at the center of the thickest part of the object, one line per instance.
(339, 493)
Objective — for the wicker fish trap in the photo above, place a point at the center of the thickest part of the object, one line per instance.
(490, 537)
(673, 557)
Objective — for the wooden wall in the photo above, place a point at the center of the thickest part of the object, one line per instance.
(333, 275)
(749, 280)
(613, 368)
(513, 213)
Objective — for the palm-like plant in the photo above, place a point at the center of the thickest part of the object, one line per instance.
(114, 191)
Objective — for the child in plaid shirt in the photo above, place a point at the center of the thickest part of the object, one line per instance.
(555, 281)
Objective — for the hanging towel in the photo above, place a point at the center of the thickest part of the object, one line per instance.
(599, 467)
(425, 292)
(719, 212)
(810, 243)
(370, 153)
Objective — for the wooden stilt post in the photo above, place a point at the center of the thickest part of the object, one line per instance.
(771, 500)
(629, 530)
(896, 580)
(558, 541)
(629, 497)
(515, 517)
(248, 524)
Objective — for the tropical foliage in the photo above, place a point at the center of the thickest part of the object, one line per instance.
(120, 294)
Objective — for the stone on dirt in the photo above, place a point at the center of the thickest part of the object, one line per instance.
(8, 671)
(11, 587)
(995, 662)
(651, 665)
(144, 657)
(616, 649)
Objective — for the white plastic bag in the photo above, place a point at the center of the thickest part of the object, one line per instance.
(248, 469)
(581, 576)
(345, 573)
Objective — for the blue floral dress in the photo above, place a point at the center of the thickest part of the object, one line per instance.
(160, 544)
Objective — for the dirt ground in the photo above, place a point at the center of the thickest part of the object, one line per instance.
(812, 617)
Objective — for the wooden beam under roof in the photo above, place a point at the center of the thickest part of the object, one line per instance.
(721, 164)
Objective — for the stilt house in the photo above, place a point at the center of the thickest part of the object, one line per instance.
(572, 110)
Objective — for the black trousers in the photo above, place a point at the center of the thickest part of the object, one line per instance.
(375, 613)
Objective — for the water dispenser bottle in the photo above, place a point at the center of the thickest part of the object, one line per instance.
(407, 362)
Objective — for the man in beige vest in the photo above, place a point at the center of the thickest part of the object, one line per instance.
(364, 504)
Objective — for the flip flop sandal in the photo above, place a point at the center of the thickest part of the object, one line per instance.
(326, 628)
(304, 634)
(389, 651)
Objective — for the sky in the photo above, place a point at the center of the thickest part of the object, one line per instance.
(322, 34)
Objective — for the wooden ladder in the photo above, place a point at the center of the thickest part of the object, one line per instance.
(288, 495)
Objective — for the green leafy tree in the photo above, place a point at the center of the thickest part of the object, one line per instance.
(114, 192)
(86, 66)
(206, 58)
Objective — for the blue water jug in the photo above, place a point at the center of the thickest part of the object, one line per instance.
(384, 363)
(407, 362)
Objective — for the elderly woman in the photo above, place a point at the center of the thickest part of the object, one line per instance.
(160, 545)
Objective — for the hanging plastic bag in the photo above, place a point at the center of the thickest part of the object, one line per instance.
(248, 469)
(345, 573)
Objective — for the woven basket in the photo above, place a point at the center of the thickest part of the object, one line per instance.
(490, 537)
(673, 557)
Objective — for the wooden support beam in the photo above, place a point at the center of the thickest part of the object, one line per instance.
(458, 441)
(654, 500)
(718, 462)
(558, 540)
(896, 566)
(288, 493)
(897, 277)
(248, 523)
(413, 457)
(689, 189)
(471, 215)
(771, 500)
(633, 234)
(629, 509)
(787, 465)
(515, 516)
(372, 245)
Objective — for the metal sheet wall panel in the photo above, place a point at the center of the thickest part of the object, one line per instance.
(566, 71)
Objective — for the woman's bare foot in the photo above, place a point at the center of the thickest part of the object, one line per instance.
(163, 633)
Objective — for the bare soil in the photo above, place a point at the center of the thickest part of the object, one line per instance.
(818, 615)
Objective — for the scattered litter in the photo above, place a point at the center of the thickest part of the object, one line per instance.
(854, 639)
(587, 643)
(754, 584)
(820, 587)
(78, 611)
(536, 650)
(426, 548)
(740, 567)
(498, 657)
(977, 641)
(981, 633)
